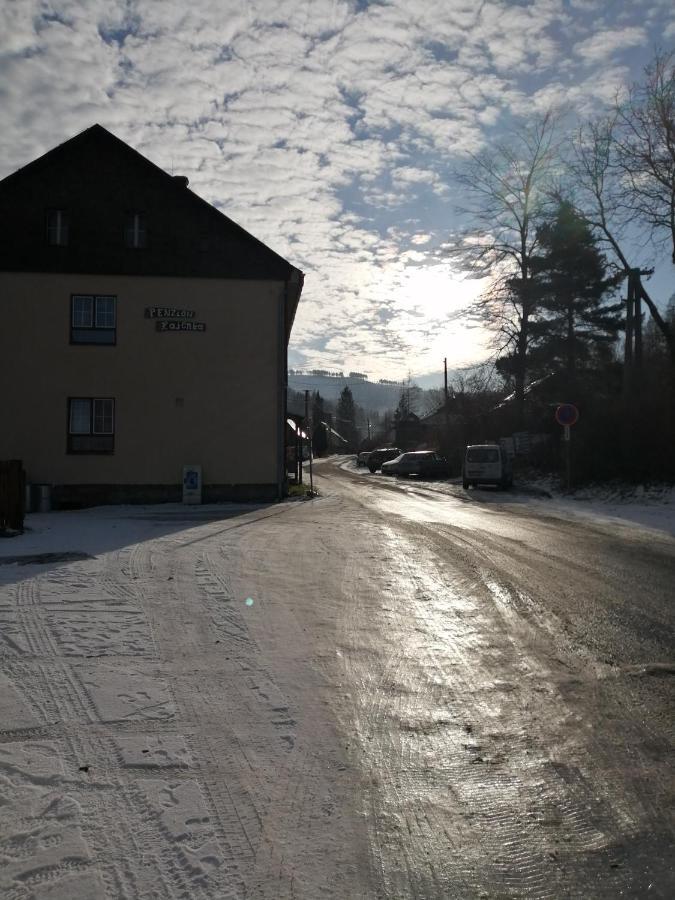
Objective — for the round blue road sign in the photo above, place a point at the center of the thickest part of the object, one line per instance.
(566, 414)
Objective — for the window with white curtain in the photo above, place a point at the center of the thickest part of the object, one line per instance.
(91, 425)
(93, 319)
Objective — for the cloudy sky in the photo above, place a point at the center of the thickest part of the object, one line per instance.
(327, 128)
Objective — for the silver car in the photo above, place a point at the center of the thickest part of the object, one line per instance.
(417, 462)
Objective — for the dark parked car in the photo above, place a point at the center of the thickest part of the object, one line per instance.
(362, 458)
(419, 462)
(377, 457)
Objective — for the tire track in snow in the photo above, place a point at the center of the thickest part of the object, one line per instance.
(36, 633)
(172, 566)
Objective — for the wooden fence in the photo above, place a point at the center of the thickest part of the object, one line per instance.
(12, 495)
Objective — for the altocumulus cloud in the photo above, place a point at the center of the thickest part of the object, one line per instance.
(328, 128)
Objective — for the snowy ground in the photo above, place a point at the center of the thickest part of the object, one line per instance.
(373, 694)
(653, 507)
(105, 528)
(147, 746)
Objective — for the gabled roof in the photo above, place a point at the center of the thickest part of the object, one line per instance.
(99, 179)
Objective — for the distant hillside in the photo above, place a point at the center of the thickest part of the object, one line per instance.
(371, 395)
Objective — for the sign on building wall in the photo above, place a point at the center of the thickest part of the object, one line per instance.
(175, 325)
(168, 312)
(192, 484)
(171, 318)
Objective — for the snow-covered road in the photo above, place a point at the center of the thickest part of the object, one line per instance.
(385, 692)
(162, 725)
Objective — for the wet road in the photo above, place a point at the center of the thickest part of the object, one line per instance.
(394, 691)
(504, 685)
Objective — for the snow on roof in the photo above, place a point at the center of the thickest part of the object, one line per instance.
(297, 430)
(334, 432)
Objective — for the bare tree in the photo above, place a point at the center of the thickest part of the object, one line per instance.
(474, 379)
(479, 378)
(433, 400)
(507, 189)
(601, 199)
(645, 148)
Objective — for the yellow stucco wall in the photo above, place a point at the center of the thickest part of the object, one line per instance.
(227, 378)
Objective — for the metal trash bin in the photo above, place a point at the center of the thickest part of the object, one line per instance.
(44, 497)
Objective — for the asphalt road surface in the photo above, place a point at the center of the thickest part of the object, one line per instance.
(391, 691)
(507, 683)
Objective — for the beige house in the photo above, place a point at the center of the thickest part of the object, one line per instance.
(142, 331)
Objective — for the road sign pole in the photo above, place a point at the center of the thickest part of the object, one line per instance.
(567, 414)
(567, 436)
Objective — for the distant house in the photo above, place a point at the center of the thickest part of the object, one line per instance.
(142, 330)
(446, 430)
(409, 431)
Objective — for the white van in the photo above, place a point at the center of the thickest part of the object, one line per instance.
(486, 464)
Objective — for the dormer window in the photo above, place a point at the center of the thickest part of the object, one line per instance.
(135, 231)
(57, 227)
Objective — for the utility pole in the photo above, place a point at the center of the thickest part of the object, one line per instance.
(298, 453)
(632, 361)
(446, 448)
(308, 432)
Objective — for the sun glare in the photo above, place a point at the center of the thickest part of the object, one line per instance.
(433, 305)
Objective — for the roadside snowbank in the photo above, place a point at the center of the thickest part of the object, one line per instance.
(650, 506)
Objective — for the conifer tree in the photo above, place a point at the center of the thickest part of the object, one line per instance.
(346, 417)
(576, 318)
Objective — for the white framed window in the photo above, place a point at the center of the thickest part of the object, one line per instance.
(80, 416)
(82, 312)
(135, 231)
(103, 415)
(57, 227)
(91, 425)
(93, 319)
(104, 311)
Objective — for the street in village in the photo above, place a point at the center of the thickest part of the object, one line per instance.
(390, 691)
